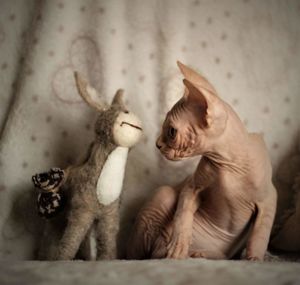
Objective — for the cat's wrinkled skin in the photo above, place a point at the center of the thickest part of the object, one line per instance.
(227, 204)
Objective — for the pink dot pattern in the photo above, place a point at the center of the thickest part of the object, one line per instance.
(49, 124)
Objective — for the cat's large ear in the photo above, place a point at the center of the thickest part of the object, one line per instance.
(209, 109)
(118, 99)
(197, 100)
(195, 78)
(88, 93)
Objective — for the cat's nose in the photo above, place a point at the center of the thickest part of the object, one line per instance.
(158, 145)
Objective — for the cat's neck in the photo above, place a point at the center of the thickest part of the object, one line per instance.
(231, 150)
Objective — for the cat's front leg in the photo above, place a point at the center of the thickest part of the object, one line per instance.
(182, 225)
(181, 235)
(259, 237)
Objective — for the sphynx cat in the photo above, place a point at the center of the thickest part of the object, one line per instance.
(228, 203)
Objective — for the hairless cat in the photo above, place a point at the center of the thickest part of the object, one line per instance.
(227, 204)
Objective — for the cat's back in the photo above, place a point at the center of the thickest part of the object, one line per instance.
(259, 156)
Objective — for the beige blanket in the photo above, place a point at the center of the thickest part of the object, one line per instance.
(248, 49)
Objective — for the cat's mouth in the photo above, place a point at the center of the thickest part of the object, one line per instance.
(174, 158)
(170, 155)
(131, 125)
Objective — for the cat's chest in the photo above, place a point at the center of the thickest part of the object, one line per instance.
(230, 193)
(110, 181)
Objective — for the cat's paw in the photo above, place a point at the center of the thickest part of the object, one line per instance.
(178, 246)
(198, 254)
(254, 258)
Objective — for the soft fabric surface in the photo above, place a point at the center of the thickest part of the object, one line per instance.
(248, 49)
(156, 272)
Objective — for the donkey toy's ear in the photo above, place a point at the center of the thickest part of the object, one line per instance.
(118, 98)
(88, 93)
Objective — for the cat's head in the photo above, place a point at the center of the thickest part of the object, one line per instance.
(195, 122)
(115, 123)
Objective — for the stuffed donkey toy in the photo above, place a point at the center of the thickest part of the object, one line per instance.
(92, 189)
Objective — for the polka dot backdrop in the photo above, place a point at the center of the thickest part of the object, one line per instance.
(248, 49)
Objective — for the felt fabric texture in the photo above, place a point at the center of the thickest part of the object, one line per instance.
(248, 49)
(93, 187)
(110, 182)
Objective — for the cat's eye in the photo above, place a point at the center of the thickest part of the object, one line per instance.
(126, 112)
(172, 133)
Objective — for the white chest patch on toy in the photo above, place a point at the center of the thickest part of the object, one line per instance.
(110, 181)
